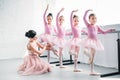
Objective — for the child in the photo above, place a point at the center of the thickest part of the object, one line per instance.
(92, 43)
(76, 40)
(60, 41)
(32, 63)
(49, 32)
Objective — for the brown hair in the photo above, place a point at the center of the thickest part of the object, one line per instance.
(75, 16)
(91, 15)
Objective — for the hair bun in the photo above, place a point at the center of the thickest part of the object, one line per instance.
(30, 34)
(27, 34)
(74, 16)
(50, 14)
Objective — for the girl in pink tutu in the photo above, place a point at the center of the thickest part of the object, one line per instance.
(92, 43)
(60, 39)
(76, 40)
(50, 31)
(32, 63)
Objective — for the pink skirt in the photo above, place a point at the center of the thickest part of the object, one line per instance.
(33, 65)
(60, 42)
(92, 43)
(47, 38)
(74, 42)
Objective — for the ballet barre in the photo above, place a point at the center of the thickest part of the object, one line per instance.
(118, 48)
(68, 62)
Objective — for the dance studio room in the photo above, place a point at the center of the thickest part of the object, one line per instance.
(59, 40)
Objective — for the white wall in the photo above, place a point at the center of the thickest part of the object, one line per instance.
(16, 17)
(71, 5)
(106, 10)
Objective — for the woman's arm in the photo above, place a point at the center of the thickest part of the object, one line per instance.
(40, 45)
(48, 46)
(35, 50)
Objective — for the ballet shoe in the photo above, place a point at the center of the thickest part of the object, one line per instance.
(76, 70)
(62, 66)
(94, 74)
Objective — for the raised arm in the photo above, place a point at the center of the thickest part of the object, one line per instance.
(84, 18)
(44, 16)
(104, 31)
(57, 18)
(71, 17)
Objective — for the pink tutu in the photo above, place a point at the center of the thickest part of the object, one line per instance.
(93, 43)
(60, 42)
(47, 38)
(74, 41)
(33, 65)
(72, 44)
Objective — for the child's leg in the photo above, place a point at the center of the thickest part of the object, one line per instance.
(71, 52)
(55, 51)
(92, 70)
(92, 62)
(92, 55)
(60, 57)
(77, 48)
(87, 53)
(48, 56)
(51, 46)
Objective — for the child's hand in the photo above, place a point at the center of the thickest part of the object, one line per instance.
(47, 6)
(48, 46)
(90, 10)
(62, 9)
(75, 10)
